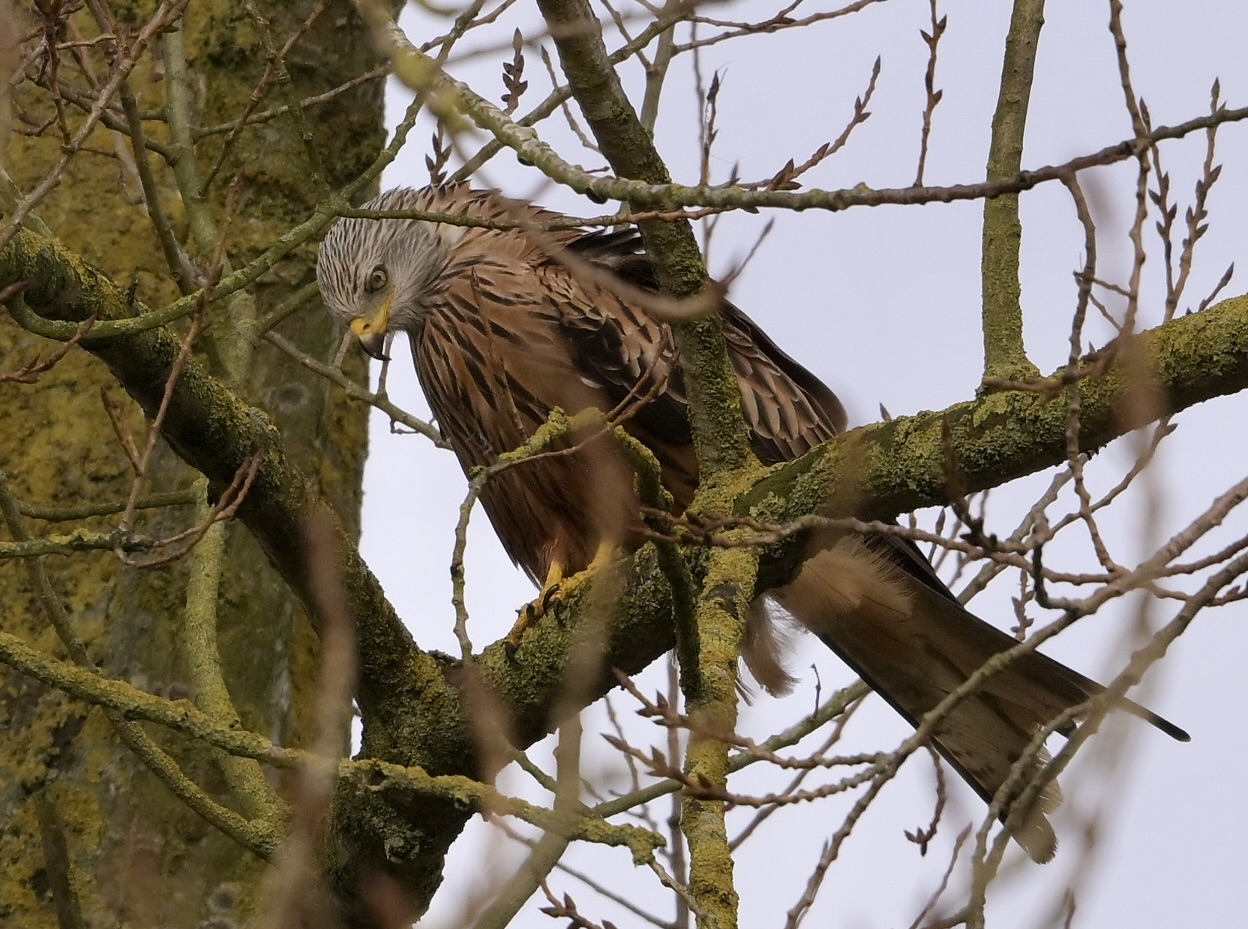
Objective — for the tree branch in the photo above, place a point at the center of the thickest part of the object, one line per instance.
(1004, 352)
(720, 439)
(898, 466)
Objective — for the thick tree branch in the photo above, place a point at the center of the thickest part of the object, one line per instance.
(898, 466)
(210, 428)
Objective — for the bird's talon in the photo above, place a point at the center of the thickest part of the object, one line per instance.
(511, 641)
(527, 616)
(544, 603)
(523, 620)
(549, 596)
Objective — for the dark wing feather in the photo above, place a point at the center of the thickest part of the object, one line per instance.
(788, 410)
(625, 353)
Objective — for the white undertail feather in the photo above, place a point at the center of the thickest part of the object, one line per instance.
(846, 578)
(842, 578)
(1035, 833)
(763, 649)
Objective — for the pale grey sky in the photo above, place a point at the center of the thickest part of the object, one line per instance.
(883, 305)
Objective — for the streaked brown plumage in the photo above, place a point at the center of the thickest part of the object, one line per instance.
(502, 333)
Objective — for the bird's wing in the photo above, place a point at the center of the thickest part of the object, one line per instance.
(622, 348)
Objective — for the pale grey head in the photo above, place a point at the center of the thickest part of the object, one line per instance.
(379, 275)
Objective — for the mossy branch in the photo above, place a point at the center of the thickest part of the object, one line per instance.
(900, 465)
(131, 704)
(1004, 352)
(209, 427)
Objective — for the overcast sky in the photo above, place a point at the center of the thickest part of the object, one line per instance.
(883, 305)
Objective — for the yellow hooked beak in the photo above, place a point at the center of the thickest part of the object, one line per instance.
(371, 330)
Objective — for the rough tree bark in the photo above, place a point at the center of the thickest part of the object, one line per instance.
(122, 829)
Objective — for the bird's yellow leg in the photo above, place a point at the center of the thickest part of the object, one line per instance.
(556, 588)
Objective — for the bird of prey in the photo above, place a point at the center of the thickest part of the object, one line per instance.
(510, 317)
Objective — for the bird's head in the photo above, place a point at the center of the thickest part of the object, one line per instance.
(380, 275)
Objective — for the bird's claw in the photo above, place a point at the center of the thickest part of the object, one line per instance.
(530, 613)
(557, 588)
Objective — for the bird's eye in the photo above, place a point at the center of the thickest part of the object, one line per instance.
(377, 279)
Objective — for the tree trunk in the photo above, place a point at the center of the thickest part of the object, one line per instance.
(122, 830)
